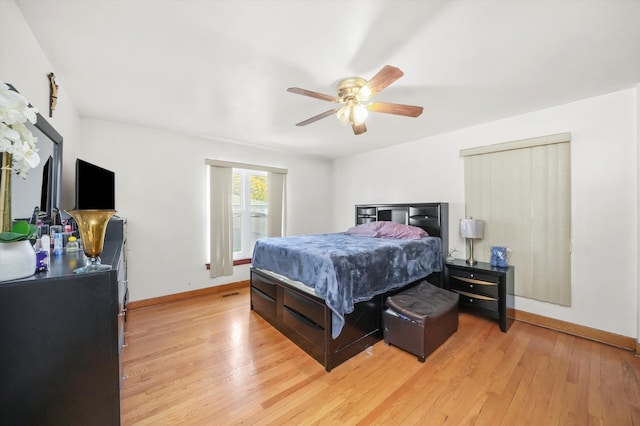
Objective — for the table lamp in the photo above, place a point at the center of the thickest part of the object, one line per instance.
(471, 228)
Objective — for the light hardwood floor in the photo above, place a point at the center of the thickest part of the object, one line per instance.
(211, 361)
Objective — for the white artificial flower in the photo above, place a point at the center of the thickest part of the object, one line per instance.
(15, 137)
(25, 135)
(14, 108)
(32, 158)
(8, 137)
(25, 157)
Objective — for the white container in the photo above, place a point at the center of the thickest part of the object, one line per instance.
(17, 260)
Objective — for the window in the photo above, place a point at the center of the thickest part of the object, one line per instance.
(245, 202)
(250, 210)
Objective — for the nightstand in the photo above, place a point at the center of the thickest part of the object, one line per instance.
(485, 289)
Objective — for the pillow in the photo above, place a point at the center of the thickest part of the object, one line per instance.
(369, 229)
(383, 229)
(399, 230)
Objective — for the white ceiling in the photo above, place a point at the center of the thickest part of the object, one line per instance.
(220, 69)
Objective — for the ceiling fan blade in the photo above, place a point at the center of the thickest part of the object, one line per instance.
(387, 75)
(312, 94)
(358, 129)
(397, 109)
(318, 117)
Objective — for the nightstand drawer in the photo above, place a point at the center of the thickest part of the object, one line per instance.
(473, 286)
(478, 301)
(474, 275)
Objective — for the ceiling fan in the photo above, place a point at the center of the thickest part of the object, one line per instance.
(354, 95)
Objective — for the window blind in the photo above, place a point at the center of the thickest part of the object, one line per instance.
(521, 189)
(276, 190)
(220, 222)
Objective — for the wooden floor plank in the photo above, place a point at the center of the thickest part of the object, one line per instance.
(210, 360)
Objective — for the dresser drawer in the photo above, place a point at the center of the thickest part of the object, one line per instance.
(473, 286)
(310, 309)
(478, 301)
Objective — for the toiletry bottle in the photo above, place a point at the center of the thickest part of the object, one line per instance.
(72, 245)
(45, 243)
(57, 244)
(42, 256)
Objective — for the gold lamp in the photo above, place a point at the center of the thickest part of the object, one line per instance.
(93, 226)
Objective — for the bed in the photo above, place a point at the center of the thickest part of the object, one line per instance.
(326, 292)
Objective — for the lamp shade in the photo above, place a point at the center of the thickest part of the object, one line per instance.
(471, 228)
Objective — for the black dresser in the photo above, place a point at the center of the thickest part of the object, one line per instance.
(62, 335)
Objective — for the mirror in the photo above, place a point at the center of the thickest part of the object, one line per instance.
(42, 187)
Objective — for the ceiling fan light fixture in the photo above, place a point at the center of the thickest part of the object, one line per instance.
(349, 87)
(352, 111)
(343, 114)
(364, 93)
(359, 112)
(353, 99)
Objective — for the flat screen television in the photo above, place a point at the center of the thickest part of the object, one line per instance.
(95, 187)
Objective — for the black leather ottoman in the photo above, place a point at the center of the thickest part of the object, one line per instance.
(420, 319)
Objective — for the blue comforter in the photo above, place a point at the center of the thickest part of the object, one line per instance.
(346, 269)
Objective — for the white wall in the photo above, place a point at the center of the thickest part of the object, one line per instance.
(604, 197)
(160, 189)
(23, 64)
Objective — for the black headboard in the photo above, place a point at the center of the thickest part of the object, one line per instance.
(432, 217)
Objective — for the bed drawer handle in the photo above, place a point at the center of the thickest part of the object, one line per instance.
(303, 319)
